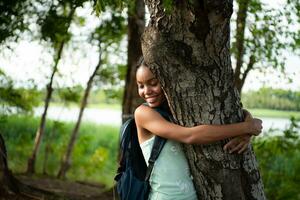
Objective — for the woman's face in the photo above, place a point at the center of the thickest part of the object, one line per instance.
(149, 87)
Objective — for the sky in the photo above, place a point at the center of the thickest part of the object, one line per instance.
(27, 59)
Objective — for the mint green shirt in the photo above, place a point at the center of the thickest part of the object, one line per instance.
(170, 178)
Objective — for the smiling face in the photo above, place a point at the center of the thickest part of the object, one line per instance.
(149, 87)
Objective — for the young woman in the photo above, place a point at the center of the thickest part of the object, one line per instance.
(170, 178)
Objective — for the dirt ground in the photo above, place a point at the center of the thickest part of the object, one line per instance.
(63, 189)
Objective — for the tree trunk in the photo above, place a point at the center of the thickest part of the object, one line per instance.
(12, 188)
(188, 51)
(41, 129)
(66, 162)
(239, 42)
(136, 25)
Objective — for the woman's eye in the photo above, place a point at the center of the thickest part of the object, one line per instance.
(154, 83)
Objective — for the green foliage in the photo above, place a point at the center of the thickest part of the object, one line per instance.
(111, 77)
(111, 30)
(99, 96)
(99, 157)
(269, 33)
(100, 143)
(70, 94)
(16, 98)
(56, 23)
(54, 27)
(292, 11)
(103, 5)
(114, 96)
(12, 14)
(168, 4)
(94, 157)
(106, 96)
(108, 36)
(270, 98)
(279, 162)
(19, 98)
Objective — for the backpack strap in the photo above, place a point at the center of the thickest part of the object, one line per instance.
(158, 145)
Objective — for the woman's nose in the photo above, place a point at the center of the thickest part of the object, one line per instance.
(147, 90)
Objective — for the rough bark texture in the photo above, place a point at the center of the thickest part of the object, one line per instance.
(188, 50)
(136, 25)
(66, 161)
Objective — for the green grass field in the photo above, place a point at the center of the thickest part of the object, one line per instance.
(94, 157)
(274, 113)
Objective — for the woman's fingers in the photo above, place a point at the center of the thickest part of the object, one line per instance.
(244, 148)
(237, 147)
(229, 145)
(237, 144)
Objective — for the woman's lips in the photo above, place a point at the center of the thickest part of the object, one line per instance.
(151, 99)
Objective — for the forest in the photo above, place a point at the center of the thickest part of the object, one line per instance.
(67, 83)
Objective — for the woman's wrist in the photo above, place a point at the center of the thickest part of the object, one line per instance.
(249, 128)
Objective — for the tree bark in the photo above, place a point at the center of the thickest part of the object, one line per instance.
(66, 161)
(188, 51)
(136, 25)
(41, 129)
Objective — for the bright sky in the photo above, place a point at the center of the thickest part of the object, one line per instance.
(30, 60)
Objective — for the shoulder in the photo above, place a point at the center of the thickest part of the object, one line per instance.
(145, 113)
(142, 111)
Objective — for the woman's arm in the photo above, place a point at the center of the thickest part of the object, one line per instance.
(239, 144)
(150, 120)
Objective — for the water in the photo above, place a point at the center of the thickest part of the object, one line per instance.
(275, 123)
(113, 117)
(95, 115)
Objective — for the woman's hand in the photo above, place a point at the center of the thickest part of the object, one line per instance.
(255, 126)
(238, 144)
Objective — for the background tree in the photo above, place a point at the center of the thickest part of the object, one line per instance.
(12, 24)
(54, 28)
(108, 33)
(189, 51)
(262, 37)
(136, 25)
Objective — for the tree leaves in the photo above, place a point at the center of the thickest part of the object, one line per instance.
(11, 18)
(279, 158)
(269, 33)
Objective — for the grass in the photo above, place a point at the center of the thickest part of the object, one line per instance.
(94, 158)
(274, 113)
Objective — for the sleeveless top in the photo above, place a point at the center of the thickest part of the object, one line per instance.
(170, 178)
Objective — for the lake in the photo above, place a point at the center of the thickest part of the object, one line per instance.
(113, 117)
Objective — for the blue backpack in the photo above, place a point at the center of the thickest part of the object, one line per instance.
(133, 174)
